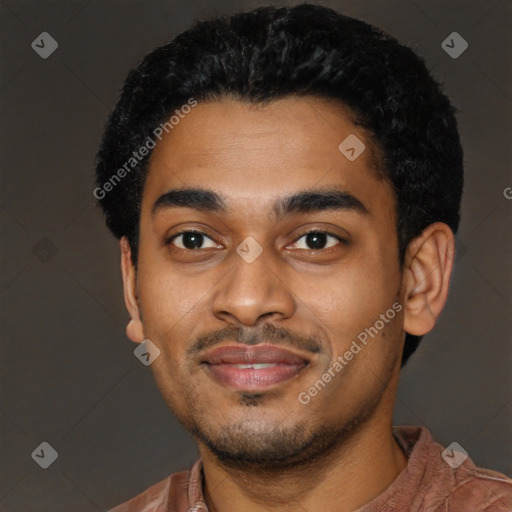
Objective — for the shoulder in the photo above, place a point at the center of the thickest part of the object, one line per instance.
(157, 497)
(448, 480)
(464, 486)
(488, 490)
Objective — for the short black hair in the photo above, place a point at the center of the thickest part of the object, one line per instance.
(308, 51)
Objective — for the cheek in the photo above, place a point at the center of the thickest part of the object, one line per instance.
(348, 297)
(166, 297)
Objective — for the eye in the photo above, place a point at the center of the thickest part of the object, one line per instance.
(191, 240)
(316, 241)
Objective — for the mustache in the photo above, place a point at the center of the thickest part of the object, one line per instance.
(268, 333)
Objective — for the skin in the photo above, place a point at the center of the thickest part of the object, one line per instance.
(271, 452)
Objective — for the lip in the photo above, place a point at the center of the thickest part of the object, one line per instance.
(226, 366)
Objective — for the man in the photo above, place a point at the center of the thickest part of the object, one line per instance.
(285, 184)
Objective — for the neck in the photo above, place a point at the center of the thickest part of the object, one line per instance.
(350, 476)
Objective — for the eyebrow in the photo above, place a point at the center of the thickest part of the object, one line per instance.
(305, 201)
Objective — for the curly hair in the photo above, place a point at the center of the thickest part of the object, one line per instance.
(308, 50)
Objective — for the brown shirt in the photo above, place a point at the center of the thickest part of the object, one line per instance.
(427, 484)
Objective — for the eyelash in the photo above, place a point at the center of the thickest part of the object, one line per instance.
(176, 235)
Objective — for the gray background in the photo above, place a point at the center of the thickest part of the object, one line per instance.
(68, 374)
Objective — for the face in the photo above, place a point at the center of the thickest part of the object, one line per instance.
(258, 287)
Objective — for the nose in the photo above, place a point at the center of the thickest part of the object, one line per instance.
(252, 291)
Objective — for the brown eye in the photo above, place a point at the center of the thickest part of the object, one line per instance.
(192, 240)
(317, 241)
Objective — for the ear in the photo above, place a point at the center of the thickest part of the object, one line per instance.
(134, 329)
(427, 270)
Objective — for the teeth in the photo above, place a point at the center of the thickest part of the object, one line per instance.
(257, 366)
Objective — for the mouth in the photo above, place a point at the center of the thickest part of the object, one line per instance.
(253, 368)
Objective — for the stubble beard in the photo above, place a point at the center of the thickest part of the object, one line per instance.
(272, 450)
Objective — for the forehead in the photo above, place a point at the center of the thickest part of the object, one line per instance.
(260, 151)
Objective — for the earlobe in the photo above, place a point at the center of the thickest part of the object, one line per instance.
(427, 271)
(134, 329)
